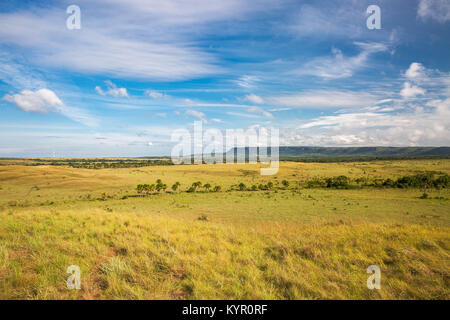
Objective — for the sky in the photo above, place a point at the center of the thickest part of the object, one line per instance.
(137, 70)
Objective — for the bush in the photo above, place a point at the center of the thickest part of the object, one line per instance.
(341, 182)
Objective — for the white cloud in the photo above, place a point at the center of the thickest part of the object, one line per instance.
(112, 90)
(325, 99)
(44, 101)
(438, 10)
(253, 98)
(247, 81)
(339, 66)
(41, 101)
(154, 94)
(126, 50)
(411, 91)
(393, 122)
(420, 128)
(415, 71)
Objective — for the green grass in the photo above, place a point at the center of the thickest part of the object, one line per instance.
(288, 244)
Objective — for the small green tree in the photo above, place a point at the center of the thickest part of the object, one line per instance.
(175, 186)
(207, 186)
(285, 183)
(270, 185)
(241, 186)
(217, 188)
(196, 185)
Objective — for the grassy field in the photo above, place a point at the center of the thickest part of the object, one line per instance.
(281, 244)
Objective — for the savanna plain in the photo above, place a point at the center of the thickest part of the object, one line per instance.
(303, 233)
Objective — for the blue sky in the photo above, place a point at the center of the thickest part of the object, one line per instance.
(138, 70)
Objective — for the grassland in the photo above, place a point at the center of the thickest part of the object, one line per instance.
(284, 244)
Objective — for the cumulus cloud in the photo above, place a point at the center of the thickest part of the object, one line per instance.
(438, 10)
(41, 101)
(411, 91)
(112, 90)
(44, 101)
(420, 127)
(415, 71)
(391, 122)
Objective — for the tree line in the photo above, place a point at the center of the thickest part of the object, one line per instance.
(428, 180)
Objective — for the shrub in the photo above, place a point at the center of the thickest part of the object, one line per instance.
(341, 182)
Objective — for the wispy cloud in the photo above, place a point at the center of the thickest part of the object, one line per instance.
(197, 114)
(119, 55)
(325, 99)
(260, 111)
(339, 66)
(438, 10)
(247, 82)
(253, 98)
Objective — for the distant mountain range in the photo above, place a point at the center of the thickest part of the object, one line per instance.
(343, 153)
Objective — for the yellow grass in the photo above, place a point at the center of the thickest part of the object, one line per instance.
(285, 244)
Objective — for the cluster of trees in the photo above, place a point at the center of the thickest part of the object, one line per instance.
(160, 186)
(196, 186)
(422, 180)
(263, 187)
(150, 188)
